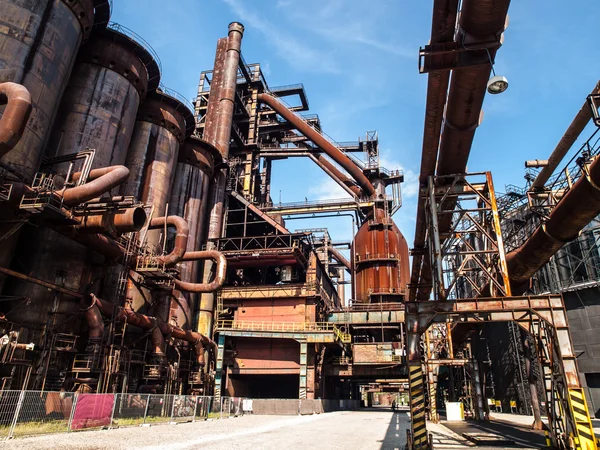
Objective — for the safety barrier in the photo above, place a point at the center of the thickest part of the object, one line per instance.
(27, 413)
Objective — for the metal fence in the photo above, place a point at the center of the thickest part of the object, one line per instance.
(27, 413)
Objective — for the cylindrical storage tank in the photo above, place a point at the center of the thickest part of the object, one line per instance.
(39, 41)
(98, 111)
(162, 124)
(189, 199)
(111, 77)
(160, 129)
(380, 261)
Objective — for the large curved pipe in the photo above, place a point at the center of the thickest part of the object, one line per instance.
(181, 237)
(220, 272)
(578, 207)
(562, 148)
(199, 341)
(99, 181)
(93, 317)
(337, 255)
(334, 153)
(336, 175)
(15, 116)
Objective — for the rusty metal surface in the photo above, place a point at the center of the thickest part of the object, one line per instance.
(219, 116)
(180, 241)
(219, 119)
(38, 45)
(566, 220)
(153, 152)
(99, 182)
(580, 121)
(37, 255)
(220, 271)
(15, 116)
(112, 221)
(101, 101)
(479, 21)
(189, 199)
(145, 322)
(380, 260)
(319, 140)
(442, 30)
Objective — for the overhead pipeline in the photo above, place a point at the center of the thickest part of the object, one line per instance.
(579, 206)
(319, 140)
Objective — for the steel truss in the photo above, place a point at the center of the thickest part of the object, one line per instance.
(471, 284)
(545, 318)
(464, 237)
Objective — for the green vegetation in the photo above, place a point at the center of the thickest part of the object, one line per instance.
(31, 428)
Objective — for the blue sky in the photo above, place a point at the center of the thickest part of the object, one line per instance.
(358, 61)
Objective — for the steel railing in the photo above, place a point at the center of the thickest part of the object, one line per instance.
(254, 325)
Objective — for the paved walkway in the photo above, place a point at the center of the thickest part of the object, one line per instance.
(449, 435)
(372, 429)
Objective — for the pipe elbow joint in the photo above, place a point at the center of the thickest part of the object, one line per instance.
(15, 116)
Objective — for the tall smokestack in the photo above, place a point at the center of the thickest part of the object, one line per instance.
(219, 118)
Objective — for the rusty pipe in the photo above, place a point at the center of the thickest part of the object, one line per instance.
(220, 272)
(93, 317)
(99, 181)
(219, 116)
(119, 221)
(566, 142)
(319, 140)
(15, 116)
(111, 249)
(337, 175)
(158, 341)
(150, 323)
(480, 21)
(482, 18)
(229, 86)
(198, 340)
(181, 237)
(442, 30)
(337, 255)
(578, 207)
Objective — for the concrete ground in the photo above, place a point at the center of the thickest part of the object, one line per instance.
(372, 429)
(449, 435)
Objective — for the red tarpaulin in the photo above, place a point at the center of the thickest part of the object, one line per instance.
(92, 410)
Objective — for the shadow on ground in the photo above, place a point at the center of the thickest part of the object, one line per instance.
(395, 436)
(522, 436)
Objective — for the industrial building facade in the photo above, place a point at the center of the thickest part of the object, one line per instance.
(141, 250)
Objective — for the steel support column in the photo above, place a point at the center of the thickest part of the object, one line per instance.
(418, 431)
(303, 369)
(219, 366)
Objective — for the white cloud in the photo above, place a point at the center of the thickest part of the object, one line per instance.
(326, 189)
(410, 187)
(297, 54)
(345, 22)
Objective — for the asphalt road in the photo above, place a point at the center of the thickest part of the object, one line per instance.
(373, 429)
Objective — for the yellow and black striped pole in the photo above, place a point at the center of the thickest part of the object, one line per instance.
(417, 407)
(581, 416)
